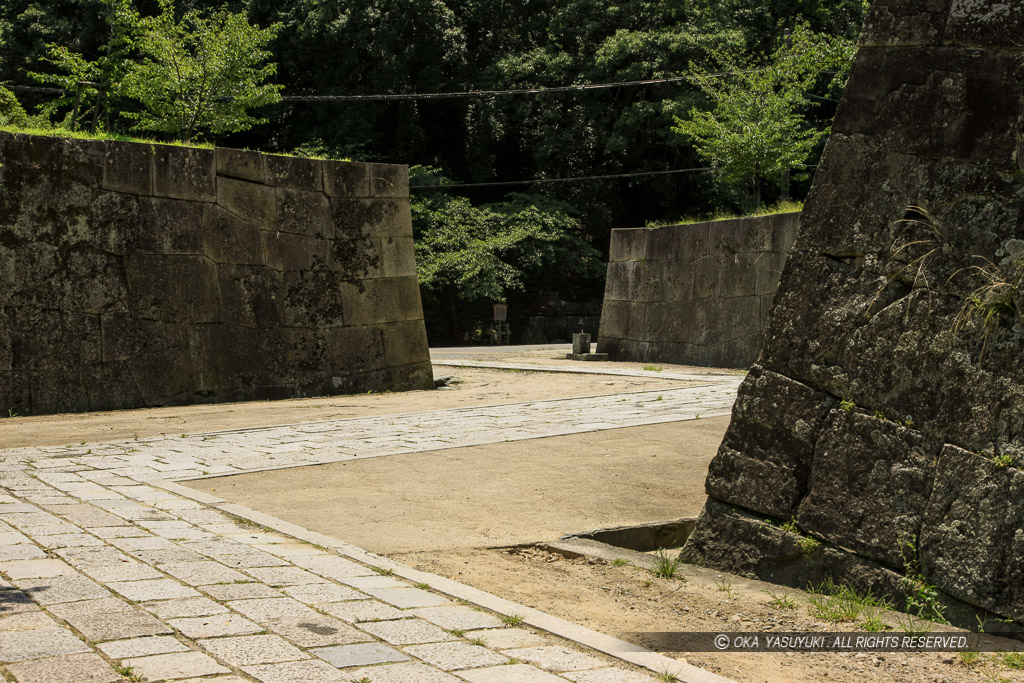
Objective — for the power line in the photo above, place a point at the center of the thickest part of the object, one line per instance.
(500, 93)
(538, 181)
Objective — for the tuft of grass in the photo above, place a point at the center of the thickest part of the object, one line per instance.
(784, 601)
(665, 566)
(969, 657)
(847, 405)
(724, 586)
(1012, 660)
(873, 621)
(841, 603)
(423, 586)
(653, 368)
(11, 413)
(482, 642)
(457, 632)
(913, 626)
(620, 562)
(511, 619)
(668, 677)
(382, 571)
(128, 672)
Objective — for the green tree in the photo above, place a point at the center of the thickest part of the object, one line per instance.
(11, 111)
(89, 82)
(468, 254)
(757, 128)
(200, 73)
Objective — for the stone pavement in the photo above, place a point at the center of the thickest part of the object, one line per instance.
(111, 572)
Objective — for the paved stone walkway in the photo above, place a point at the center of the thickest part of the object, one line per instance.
(110, 574)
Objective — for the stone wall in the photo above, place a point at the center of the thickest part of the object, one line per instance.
(886, 414)
(143, 275)
(694, 294)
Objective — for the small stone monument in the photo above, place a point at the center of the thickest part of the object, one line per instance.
(581, 348)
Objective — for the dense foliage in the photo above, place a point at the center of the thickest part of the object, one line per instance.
(363, 47)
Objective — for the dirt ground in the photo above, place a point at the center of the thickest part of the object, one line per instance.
(478, 388)
(495, 495)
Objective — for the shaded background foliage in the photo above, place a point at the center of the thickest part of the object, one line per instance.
(346, 47)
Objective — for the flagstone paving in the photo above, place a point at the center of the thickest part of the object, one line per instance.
(108, 576)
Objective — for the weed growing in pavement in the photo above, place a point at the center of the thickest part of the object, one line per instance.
(784, 601)
(511, 619)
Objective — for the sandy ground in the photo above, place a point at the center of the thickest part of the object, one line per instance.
(496, 495)
(479, 387)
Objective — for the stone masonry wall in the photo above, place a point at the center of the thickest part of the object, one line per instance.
(143, 275)
(694, 294)
(886, 413)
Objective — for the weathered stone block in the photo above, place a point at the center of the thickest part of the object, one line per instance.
(128, 167)
(765, 458)
(738, 352)
(285, 251)
(784, 231)
(304, 213)
(163, 377)
(251, 202)
(297, 172)
(185, 173)
(173, 288)
(706, 275)
(937, 102)
(993, 25)
(162, 226)
(769, 271)
(63, 390)
(397, 257)
(126, 338)
(228, 239)
(739, 274)
(83, 161)
(221, 357)
(241, 164)
(382, 300)
(359, 258)
(389, 180)
(971, 543)
(743, 235)
(346, 179)
(905, 22)
(405, 343)
(629, 244)
(869, 484)
(251, 296)
(371, 218)
(110, 386)
(730, 539)
(354, 350)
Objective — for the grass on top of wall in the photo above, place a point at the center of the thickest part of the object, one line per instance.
(55, 132)
(781, 207)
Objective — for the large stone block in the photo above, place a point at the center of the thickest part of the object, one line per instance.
(359, 258)
(82, 161)
(765, 459)
(870, 482)
(405, 343)
(355, 218)
(738, 352)
(159, 226)
(240, 164)
(252, 296)
(743, 235)
(630, 244)
(252, 202)
(935, 102)
(285, 251)
(739, 274)
(126, 338)
(397, 257)
(972, 543)
(304, 212)
(185, 173)
(221, 360)
(163, 377)
(128, 167)
(389, 180)
(730, 539)
(227, 239)
(993, 25)
(173, 288)
(346, 179)
(905, 22)
(354, 350)
(297, 172)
